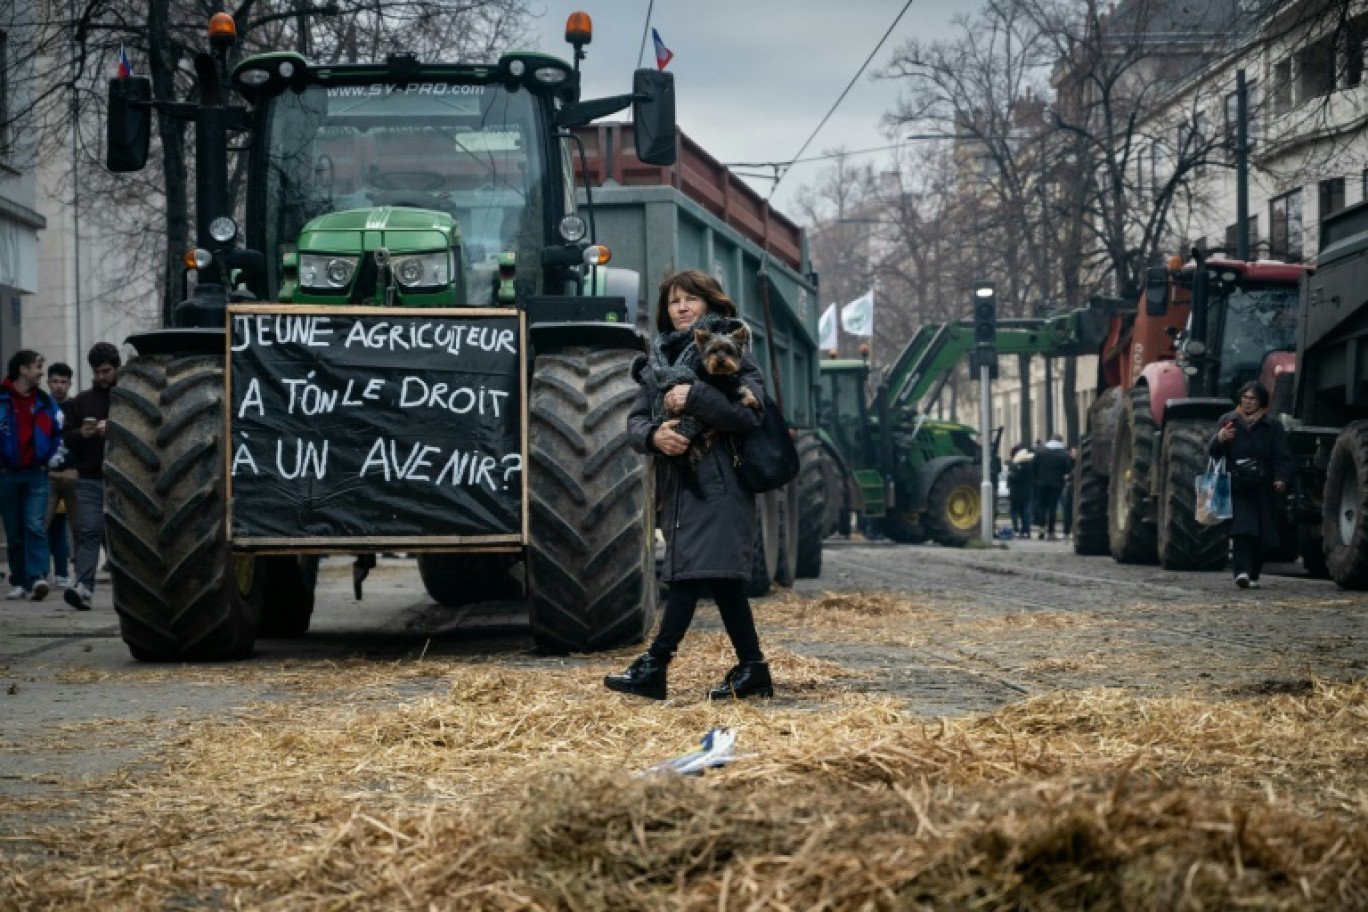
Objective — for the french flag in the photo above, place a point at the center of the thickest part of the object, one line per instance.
(125, 65)
(663, 54)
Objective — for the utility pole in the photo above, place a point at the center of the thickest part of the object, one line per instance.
(1241, 167)
(985, 358)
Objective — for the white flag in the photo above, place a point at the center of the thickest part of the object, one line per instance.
(826, 329)
(857, 317)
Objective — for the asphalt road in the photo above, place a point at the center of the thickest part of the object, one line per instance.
(989, 626)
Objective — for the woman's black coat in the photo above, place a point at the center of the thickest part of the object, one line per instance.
(1255, 511)
(709, 528)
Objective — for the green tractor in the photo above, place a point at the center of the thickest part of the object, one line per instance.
(917, 478)
(385, 187)
(925, 487)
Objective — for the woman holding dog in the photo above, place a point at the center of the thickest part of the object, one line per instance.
(707, 517)
(1259, 460)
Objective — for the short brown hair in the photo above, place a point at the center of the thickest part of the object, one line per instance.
(695, 283)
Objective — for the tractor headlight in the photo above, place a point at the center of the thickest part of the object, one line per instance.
(573, 228)
(424, 270)
(223, 229)
(326, 272)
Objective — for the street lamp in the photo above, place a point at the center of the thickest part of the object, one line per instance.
(985, 334)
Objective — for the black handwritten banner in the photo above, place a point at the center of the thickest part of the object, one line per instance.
(383, 423)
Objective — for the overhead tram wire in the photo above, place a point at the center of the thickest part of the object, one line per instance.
(784, 173)
(775, 166)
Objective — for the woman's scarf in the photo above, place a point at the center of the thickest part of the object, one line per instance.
(674, 359)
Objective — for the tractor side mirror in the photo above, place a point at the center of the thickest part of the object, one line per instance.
(129, 123)
(1156, 291)
(653, 113)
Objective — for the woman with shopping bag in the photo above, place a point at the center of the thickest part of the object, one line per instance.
(1259, 459)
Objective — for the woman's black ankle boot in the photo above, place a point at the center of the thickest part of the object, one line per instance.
(749, 679)
(643, 678)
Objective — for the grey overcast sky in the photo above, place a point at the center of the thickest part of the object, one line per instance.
(753, 78)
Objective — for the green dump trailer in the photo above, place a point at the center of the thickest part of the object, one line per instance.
(695, 214)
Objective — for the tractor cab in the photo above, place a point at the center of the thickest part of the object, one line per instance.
(1243, 328)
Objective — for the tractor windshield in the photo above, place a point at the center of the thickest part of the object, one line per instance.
(469, 150)
(1257, 319)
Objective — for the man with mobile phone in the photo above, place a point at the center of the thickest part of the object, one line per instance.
(85, 438)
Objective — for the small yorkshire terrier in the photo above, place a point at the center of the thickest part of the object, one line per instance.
(721, 356)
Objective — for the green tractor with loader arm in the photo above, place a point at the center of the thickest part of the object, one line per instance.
(920, 480)
(400, 216)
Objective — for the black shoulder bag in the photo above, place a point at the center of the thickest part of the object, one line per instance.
(766, 458)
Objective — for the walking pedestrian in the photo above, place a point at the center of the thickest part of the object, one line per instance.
(1259, 459)
(1052, 466)
(707, 517)
(30, 424)
(61, 508)
(1020, 481)
(85, 439)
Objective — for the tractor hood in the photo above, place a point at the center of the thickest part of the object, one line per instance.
(398, 229)
(385, 255)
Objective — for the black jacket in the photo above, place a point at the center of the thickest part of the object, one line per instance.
(1052, 464)
(1255, 513)
(709, 528)
(87, 454)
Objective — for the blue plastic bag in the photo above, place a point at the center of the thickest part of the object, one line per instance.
(1213, 495)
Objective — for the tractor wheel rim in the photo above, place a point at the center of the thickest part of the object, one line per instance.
(962, 508)
(1119, 502)
(1346, 507)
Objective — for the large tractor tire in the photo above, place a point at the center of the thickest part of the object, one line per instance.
(812, 509)
(464, 579)
(765, 558)
(954, 512)
(786, 571)
(1132, 539)
(282, 588)
(1345, 523)
(172, 574)
(1089, 504)
(1184, 543)
(591, 567)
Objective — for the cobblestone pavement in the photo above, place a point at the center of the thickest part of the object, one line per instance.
(1034, 617)
(991, 626)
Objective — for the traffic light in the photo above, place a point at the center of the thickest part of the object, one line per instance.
(985, 314)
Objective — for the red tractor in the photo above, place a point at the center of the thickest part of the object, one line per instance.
(1168, 369)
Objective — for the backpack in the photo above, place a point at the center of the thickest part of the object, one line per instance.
(766, 458)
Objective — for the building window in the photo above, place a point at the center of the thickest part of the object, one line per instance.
(1285, 227)
(1331, 196)
(1349, 53)
(1315, 70)
(1282, 87)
